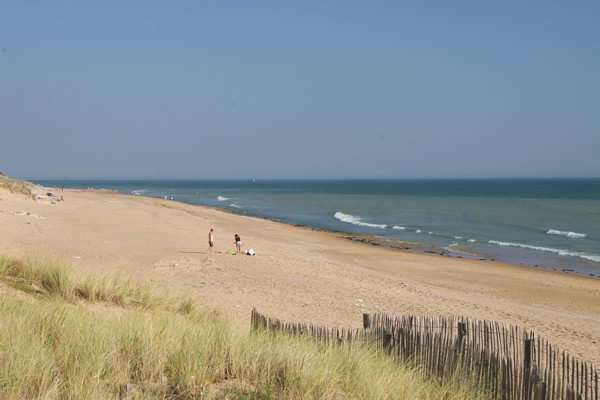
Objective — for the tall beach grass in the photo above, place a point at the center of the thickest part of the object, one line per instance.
(61, 341)
(16, 185)
(54, 279)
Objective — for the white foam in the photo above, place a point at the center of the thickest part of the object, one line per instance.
(471, 240)
(418, 231)
(235, 205)
(586, 256)
(452, 249)
(221, 198)
(458, 237)
(573, 235)
(400, 228)
(351, 219)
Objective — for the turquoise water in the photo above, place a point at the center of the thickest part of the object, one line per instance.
(553, 223)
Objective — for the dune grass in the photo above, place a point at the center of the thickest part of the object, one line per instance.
(16, 186)
(53, 279)
(57, 342)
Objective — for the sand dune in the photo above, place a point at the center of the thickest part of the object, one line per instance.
(298, 274)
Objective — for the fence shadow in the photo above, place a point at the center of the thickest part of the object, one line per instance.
(510, 362)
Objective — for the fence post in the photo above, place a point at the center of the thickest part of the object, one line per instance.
(458, 343)
(366, 321)
(387, 341)
(253, 318)
(462, 331)
(539, 391)
(527, 368)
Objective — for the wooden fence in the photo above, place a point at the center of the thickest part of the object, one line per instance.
(510, 362)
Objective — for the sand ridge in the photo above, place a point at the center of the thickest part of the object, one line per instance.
(298, 274)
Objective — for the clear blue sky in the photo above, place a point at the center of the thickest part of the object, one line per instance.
(306, 89)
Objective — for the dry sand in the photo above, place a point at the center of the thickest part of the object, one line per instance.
(298, 274)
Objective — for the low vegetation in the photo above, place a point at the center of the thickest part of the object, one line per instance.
(16, 186)
(64, 336)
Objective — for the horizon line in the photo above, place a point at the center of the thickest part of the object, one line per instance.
(303, 179)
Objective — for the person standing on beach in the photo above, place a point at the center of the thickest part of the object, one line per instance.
(211, 240)
(238, 243)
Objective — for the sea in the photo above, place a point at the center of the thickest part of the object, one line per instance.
(548, 223)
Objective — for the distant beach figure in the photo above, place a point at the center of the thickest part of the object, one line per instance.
(238, 243)
(211, 240)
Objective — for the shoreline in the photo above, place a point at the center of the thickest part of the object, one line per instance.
(370, 239)
(374, 240)
(535, 249)
(299, 274)
(422, 248)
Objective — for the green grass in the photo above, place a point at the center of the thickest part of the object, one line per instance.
(70, 337)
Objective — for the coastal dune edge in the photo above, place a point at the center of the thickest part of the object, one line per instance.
(297, 274)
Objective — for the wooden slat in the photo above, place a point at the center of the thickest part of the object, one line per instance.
(494, 352)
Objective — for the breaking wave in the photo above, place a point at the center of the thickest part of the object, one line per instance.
(221, 198)
(586, 256)
(573, 235)
(351, 219)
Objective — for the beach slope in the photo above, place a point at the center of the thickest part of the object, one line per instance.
(298, 274)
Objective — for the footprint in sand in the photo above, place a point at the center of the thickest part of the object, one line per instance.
(207, 261)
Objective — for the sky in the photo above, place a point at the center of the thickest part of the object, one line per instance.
(304, 89)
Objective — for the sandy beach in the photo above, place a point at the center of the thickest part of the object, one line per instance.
(298, 274)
